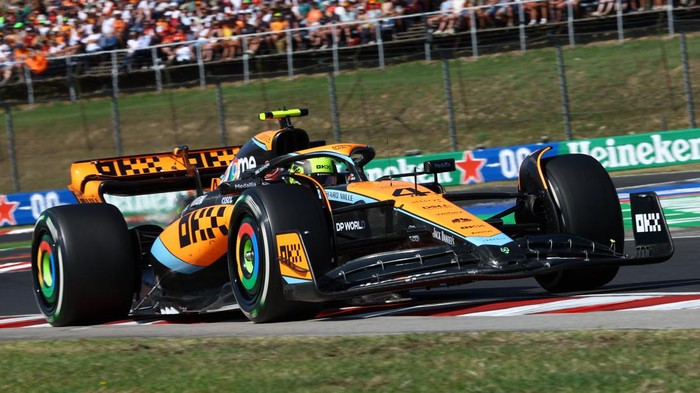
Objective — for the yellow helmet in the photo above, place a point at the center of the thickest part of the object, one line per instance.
(322, 169)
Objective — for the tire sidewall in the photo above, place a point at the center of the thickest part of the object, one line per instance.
(248, 215)
(48, 241)
(587, 205)
(276, 209)
(94, 267)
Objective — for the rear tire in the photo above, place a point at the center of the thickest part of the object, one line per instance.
(260, 214)
(588, 206)
(83, 266)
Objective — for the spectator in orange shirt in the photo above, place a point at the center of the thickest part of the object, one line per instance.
(277, 25)
(19, 55)
(314, 15)
(36, 61)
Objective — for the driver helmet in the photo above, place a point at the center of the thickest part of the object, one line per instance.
(322, 169)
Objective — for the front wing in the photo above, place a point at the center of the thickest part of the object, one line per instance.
(533, 255)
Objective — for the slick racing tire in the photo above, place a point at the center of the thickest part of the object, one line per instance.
(83, 266)
(260, 214)
(588, 206)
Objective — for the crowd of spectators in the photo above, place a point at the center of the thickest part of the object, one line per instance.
(51, 28)
(32, 31)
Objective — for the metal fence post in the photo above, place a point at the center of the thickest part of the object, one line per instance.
(570, 22)
(671, 23)
(115, 75)
(521, 26)
(334, 45)
(687, 82)
(156, 69)
(564, 92)
(222, 113)
(200, 65)
(70, 79)
(116, 127)
(30, 84)
(620, 27)
(449, 101)
(11, 146)
(428, 40)
(335, 117)
(246, 61)
(290, 57)
(380, 43)
(472, 30)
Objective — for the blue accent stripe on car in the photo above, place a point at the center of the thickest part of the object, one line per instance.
(498, 239)
(165, 257)
(495, 240)
(292, 280)
(259, 144)
(347, 197)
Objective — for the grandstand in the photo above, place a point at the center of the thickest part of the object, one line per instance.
(184, 55)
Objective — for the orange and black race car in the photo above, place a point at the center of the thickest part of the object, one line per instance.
(282, 225)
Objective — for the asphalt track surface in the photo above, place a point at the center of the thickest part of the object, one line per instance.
(660, 296)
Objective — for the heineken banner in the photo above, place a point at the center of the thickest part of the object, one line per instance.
(498, 164)
(641, 150)
(473, 166)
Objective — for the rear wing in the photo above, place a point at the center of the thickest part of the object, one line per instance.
(181, 169)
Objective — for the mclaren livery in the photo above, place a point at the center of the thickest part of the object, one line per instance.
(282, 225)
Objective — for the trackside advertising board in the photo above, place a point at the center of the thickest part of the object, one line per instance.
(473, 166)
(498, 164)
(641, 150)
(24, 208)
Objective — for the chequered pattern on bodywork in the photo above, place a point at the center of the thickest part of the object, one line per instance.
(130, 166)
(291, 253)
(127, 166)
(202, 225)
(216, 158)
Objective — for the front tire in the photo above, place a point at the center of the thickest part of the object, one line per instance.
(259, 215)
(83, 268)
(588, 206)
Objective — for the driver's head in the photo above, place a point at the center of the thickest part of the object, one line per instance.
(322, 169)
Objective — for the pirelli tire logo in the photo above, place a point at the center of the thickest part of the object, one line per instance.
(647, 222)
(202, 225)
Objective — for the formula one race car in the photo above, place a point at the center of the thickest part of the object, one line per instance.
(282, 225)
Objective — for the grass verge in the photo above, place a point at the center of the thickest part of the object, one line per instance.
(589, 361)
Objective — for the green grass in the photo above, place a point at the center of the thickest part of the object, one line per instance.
(592, 361)
(14, 245)
(498, 100)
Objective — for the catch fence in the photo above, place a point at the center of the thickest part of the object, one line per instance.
(447, 98)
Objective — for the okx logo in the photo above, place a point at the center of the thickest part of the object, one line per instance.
(648, 222)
